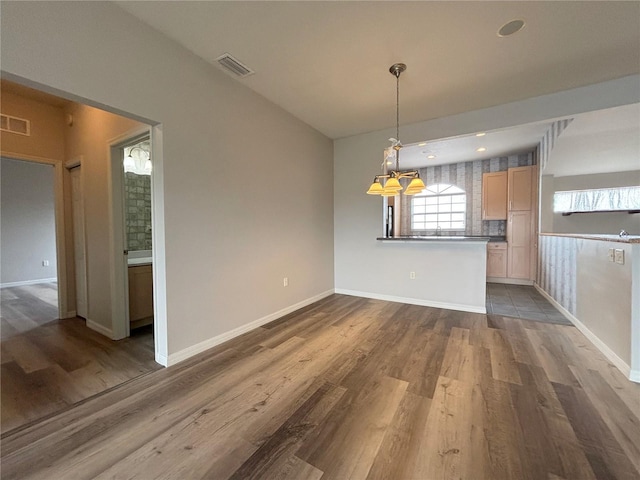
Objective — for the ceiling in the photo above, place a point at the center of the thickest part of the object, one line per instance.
(598, 142)
(497, 143)
(327, 62)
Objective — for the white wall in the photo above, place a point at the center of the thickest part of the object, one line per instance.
(247, 187)
(360, 261)
(27, 214)
(601, 222)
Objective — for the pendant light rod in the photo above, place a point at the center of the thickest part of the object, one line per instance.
(392, 186)
(396, 69)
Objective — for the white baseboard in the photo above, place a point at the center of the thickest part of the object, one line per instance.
(188, 352)
(28, 282)
(599, 344)
(99, 328)
(70, 314)
(509, 281)
(414, 301)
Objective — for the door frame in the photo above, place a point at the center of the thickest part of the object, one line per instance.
(76, 162)
(119, 277)
(58, 199)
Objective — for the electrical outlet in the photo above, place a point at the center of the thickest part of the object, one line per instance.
(619, 255)
(285, 282)
(611, 255)
(45, 263)
(412, 275)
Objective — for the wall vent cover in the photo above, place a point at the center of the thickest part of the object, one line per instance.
(15, 125)
(233, 65)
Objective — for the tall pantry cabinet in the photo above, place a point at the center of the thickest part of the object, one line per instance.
(522, 201)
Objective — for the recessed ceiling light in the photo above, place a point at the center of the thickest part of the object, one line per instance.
(510, 28)
(481, 134)
(422, 144)
(431, 156)
(481, 149)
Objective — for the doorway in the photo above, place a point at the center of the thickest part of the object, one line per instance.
(29, 271)
(132, 203)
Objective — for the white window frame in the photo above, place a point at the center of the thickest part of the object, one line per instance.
(438, 202)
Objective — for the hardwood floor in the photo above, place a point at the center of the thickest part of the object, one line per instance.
(356, 388)
(48, 365)
(27, 307)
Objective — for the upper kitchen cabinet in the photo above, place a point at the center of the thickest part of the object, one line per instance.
(494, 196)
(520, 188)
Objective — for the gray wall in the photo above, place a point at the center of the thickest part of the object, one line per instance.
(27, 214)
(600, 222)
(228, 238)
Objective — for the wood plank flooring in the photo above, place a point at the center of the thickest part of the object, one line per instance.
(47, 365)
(351, 388)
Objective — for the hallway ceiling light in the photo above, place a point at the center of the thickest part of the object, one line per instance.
(392, 184)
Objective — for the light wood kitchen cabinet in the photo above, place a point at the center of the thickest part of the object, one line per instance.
(519, 245)
(497, 259)
(520, 188)
(140, 295)
(494, 196)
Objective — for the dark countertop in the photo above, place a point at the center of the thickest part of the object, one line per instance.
(443, 238)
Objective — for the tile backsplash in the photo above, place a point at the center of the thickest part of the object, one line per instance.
(137, 192)
(468, 176)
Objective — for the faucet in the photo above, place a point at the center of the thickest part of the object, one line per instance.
(438, 230)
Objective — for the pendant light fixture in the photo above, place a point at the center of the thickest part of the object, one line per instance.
(133, 164)
(392, 184)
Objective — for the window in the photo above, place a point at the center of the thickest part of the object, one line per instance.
(439, 205)
(597, 200)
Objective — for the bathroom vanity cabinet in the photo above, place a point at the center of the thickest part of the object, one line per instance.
(140, 295)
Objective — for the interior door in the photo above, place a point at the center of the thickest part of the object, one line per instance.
(79, 246)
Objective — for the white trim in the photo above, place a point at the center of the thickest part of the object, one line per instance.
(599, 344)
(509, 281)
(70, 314)
(28, 282)
(100, 329)
(414, 301)
(160, 323)
(217, 340)
(162, 359)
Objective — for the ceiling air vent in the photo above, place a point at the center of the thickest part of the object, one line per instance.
(15, 125)
(234, 66)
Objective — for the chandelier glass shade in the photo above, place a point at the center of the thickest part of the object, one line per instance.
(137, 160)
(392, 185)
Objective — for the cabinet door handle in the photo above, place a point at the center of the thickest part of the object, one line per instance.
(510, 204)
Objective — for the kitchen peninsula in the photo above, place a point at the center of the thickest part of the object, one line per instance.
(437, 271)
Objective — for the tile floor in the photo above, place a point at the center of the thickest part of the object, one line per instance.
(521, 301)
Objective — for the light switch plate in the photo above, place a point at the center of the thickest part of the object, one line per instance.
(619, 256)
(611, 255)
